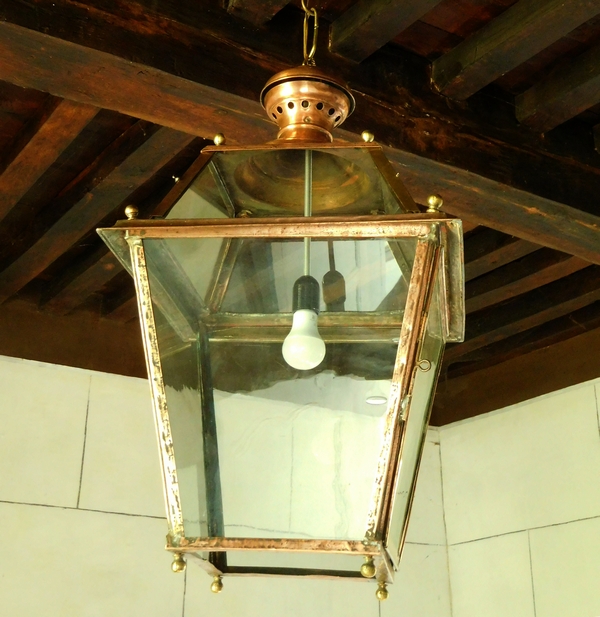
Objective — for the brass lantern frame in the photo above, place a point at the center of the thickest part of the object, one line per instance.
(438, 253)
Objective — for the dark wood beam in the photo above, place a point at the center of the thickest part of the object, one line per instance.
(46, 137)
(493, 204)
(527, 311)
(88, 278)
(539, 268)
(490, 249)
(523, 30)
(96, 204)
(123, 308)
(565, 93)
(565, 364)
(369, 24)
(549, 333)
(428, 136)
(255, 11)
(82, 340)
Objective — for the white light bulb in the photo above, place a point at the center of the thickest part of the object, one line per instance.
(303, 347)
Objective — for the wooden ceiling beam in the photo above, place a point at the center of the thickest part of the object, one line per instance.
(549, 333)
(565, 93)
(45, 138)
(489, 249)
(83, 340)
(95, 205)
(426, 138)
(523, 30)
(255, 11)
(539, 268)
(527, 311)
(564, 364)
(100, 268)
(369, 24)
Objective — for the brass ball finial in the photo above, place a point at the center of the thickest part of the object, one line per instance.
(178, 564)
(219, 139)
(434, 203)
(131, 212)
(367, 136)
(368, 568)
(217, 585)
(382, 593)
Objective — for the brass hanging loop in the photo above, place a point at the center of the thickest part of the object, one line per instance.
(309, 56)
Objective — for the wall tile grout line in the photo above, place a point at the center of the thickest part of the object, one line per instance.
(444, 519)
(511, 533)
(531, 570)
(87, 413)
(56, 507)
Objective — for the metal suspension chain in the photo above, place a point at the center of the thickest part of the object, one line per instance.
(310, 13)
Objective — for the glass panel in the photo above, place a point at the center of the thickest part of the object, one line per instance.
(306, 442)
(181, 374)
(271, 182)
(305, 561)
(258, 276)
(415, 430)
(264, 450)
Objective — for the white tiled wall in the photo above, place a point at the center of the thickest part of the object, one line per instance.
(82, 512)
(522, 508)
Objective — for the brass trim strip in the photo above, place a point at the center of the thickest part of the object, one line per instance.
(293, 545)
(405, 359)
(157, 386)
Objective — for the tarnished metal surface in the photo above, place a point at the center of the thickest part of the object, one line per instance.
(157, 387)
(405, 361)
(291, 545)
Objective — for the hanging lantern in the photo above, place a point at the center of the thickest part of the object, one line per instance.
(294, 305)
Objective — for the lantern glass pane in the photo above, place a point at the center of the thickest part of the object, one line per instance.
(306, 562)
(264, 450)
(413, 439)
(270, 181)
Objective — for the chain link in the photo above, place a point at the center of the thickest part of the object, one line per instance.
(309, 56)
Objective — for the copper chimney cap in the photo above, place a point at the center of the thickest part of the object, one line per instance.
(306, 103)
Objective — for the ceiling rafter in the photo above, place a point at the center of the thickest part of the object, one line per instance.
(95, 205)
(523, 30)
(167, 99)
(527, 311)
(46, 137)
(489, 249)
(546, 334)
(369, 24)
(255, 11)
(78, 283)
(539, 268)
(565, 93)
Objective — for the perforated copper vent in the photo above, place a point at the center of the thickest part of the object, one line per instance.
(306, 104)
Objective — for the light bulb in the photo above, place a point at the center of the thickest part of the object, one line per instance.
(303, 348)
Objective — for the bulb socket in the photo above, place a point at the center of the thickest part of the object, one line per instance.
(306, 294)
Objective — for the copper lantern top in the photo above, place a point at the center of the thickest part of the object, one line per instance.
(306, 104)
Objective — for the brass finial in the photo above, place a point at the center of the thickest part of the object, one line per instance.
(367, 136)
(131, 212)
(368, 568)
(178, 564)
(217, 585)
(382, 593)
(434, 203)
(219, 139)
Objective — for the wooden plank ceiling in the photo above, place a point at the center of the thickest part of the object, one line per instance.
(494, 104)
